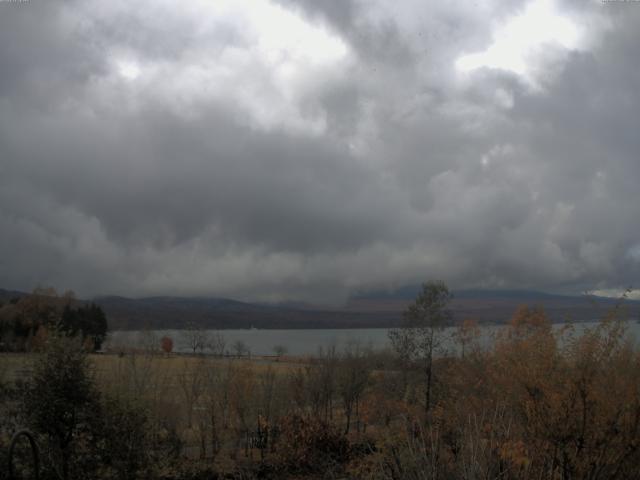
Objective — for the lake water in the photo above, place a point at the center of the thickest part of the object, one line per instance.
(305, 342)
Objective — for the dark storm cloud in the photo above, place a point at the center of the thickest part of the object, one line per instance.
(149, 148)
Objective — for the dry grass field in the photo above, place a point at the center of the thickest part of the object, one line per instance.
(114, 370)
(184, 391)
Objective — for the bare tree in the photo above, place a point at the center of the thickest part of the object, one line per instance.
(191, 381)
(217, 344)
(216, 402)
(267, 404)
(195, 338)
(242, 386)
(320, 383)
(353, 377)
(136, 374)
(417, 339)
(240, 348)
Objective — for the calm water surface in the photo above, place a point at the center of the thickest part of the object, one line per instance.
(307, 342)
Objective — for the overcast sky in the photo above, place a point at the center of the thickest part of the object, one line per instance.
(306, 149)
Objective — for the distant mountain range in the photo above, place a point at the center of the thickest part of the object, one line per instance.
(364, 310)
(6, 295)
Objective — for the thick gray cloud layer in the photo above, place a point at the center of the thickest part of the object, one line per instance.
(303, 149)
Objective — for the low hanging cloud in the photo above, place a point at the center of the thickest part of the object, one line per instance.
(306, 150)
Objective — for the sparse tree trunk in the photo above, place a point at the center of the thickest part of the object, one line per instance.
(261, 441)
(428, 379)
(214, 434)
(203, 440)
(427, 392)
(347, 412)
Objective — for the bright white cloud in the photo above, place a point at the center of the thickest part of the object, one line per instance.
(279, 60)
(633, 294)
(128, 69)
(522, 36)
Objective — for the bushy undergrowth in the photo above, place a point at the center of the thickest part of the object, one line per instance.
(539, 404)
(308, 445)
